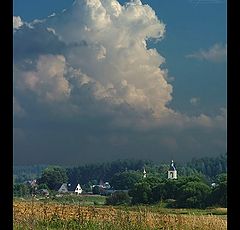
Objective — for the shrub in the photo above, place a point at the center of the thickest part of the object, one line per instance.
(118, 198)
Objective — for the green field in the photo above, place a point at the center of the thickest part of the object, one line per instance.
(83, 200)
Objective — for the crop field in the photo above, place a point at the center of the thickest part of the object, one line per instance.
(42, 215)
(38, 215)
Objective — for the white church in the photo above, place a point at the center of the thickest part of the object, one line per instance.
(172, 172)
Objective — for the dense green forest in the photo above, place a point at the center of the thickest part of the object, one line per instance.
(25, 173)
(209, 167)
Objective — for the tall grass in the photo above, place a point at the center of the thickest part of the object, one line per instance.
(44, 215)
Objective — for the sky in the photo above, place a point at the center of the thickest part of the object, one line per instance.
(101, 80)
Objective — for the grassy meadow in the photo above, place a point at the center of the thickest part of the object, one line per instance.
(88, 212)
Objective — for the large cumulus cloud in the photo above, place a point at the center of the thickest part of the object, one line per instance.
(89, 68)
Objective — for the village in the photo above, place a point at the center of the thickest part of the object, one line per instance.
(103, 188)
(200, 184)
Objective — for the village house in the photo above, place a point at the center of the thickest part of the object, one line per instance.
(103, 188)
(63, 188)
(75, 188)
(70, 188)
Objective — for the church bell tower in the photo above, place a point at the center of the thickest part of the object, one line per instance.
(172, 172)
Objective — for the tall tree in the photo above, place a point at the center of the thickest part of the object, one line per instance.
(193, 195)
(125, 180)
(53, 177)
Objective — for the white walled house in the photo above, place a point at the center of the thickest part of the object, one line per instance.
(104, 188)
(75, 188)
(78, 190)
(172, 172)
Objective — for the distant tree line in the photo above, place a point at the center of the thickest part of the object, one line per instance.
(25, 173)
(207, 166)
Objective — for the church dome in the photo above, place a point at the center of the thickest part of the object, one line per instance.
(172, 167)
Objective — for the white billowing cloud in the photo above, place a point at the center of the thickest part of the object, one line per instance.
(103, 57)
(107, 43)
(90, 63)
(109, 22)
(48, 80)
(216, 53)
(17, 22)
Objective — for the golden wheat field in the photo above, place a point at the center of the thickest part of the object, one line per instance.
(28, 213)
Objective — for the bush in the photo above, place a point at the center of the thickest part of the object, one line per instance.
(21, 190)
(96, 190)
(219, 195)
(193, 195)
(118, 198)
